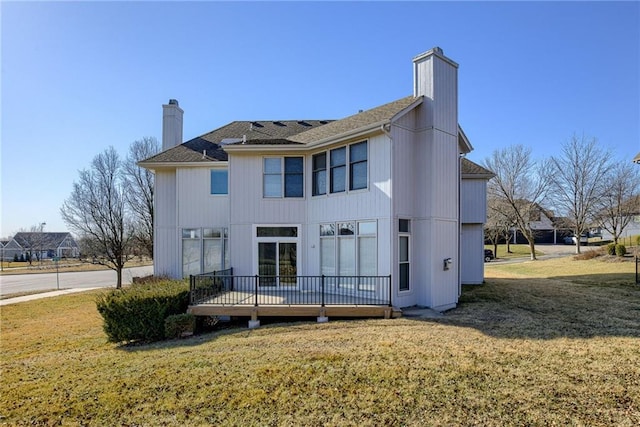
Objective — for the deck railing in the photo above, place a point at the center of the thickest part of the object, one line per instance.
(223, 288)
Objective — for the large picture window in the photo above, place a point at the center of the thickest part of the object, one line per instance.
(349, 249)
(347, 169)
(283, 176)
(204, 250)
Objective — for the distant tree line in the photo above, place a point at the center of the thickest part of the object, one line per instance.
(110, 208)
(583, 184)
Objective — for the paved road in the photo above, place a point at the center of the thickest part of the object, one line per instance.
(11, 284)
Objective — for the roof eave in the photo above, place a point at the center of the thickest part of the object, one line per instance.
(168, 165)
(466, 146)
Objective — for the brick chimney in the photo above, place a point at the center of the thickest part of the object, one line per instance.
(171, 124)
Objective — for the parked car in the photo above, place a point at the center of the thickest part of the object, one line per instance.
(573, 240)
(488, 255)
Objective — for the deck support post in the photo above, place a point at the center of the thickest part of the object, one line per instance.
(322, 318)
(254, 322)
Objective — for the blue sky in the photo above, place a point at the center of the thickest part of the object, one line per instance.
(80, 76)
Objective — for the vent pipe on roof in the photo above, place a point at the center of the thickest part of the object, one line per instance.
(244, 139)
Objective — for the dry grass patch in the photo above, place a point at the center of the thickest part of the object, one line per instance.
(534, 351)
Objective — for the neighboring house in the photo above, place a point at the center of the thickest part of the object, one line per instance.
(385, 192)
(43, 245)
(547, 227)
(636, 159)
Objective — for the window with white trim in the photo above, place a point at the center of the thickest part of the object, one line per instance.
(283, 176)
(219, 181)
(349, 248)
(404, 248)
(204, 250)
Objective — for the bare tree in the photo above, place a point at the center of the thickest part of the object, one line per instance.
(521, 184)
(499, 223)
(578, 177)
(97, 211)
(621, 199)
(139, 184)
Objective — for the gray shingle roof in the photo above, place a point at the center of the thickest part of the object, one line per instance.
(209, 147)
(361, 120)
(470, 168)
(256, 132)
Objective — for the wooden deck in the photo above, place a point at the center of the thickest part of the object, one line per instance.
(275, 304)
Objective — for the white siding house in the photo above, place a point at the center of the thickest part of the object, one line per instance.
(385, 192)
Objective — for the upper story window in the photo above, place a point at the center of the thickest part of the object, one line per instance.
(219, 181)
(283, 176)
(354, 157)
(320, 174)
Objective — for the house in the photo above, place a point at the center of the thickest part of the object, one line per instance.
(546, 227)
(42, 245)
(636, 159)
(385, 193)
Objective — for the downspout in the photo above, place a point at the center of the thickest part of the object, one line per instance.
(392, 222)
(460, 157)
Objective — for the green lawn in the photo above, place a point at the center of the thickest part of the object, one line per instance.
(515, 251)
(537, 345)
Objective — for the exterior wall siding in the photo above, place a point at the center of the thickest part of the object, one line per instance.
(196, 206)
(166, 260)
(472, 254)
(473, 201)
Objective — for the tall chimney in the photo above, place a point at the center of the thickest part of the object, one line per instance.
(171, 124)
(436, 78)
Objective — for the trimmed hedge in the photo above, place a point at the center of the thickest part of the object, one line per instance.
(621, 250)
(178, 325)
(611, 249)
(138, 312)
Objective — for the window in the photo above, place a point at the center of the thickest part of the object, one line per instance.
(219, 181)
(272, 177)
(278, 171)
(349, 249)
(354, 156)
(293, 176)
(204, 250)
(320, 174)
(358, 166)
(277, 232)
(404, 226)
(338, 169)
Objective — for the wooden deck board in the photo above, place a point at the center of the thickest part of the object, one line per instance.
(298, 304)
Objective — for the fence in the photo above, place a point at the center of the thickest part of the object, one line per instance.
(223, 288)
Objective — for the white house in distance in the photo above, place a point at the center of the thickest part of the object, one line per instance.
(385, 192)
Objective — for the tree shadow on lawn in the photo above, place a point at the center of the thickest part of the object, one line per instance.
(560, 307)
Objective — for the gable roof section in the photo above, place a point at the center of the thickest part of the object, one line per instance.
(636, 159)
(361, 121)
(208, 147)
(470, 169)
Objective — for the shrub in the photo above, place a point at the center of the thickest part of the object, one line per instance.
(138, 312)
(178, 325)
(621, 250)
(611, 249)
(586, 255)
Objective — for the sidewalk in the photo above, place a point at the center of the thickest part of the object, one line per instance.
(24, 298)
